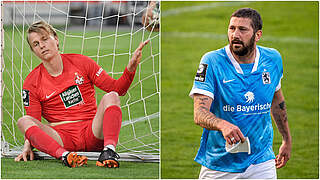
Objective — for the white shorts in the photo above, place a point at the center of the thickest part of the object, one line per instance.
(265, 170)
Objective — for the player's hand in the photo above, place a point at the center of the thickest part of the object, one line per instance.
(231, 133)
(150, 8)
(27, 152)
(284, 154)
(136, 57)
(148, 17)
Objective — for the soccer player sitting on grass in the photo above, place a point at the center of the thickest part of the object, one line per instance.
(61, 89)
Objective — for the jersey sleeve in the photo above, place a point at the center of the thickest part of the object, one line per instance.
(280, 68)
(102, 80)
(204, 80)
(31, 102)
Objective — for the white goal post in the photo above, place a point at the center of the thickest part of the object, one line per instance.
(106, 31)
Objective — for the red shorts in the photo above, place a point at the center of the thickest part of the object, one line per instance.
(78, 136)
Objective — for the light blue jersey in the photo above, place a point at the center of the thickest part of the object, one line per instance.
(244, 99)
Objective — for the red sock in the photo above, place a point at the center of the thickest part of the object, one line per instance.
(43, 142)
(111, 125)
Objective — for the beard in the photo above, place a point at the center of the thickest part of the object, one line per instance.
(245, 49)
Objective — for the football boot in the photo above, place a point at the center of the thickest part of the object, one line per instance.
(72, 160)
(108, 158)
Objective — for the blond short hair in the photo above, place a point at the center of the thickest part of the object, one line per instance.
(39, 27)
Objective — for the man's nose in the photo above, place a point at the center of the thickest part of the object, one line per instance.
(236, 33)
(41, 44)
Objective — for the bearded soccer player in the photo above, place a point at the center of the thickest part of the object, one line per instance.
(61, 89)
(236, 88)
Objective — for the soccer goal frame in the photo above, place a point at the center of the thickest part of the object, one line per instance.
(140, 119)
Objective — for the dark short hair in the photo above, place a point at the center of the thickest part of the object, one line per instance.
(256, 21)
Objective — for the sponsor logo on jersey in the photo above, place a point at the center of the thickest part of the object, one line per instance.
(48, 96)
(71, 97)
(99, 72)
(255, 109)
(266, 78)
(249, 97)
(201, 73)
(25, 97)
(227, 81)
(78, 79)
(252, 109)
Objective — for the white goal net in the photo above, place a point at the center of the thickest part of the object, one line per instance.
(106, 31)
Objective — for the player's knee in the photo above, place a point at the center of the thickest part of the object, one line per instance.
(21, 121)
(111, 98)
(24, 122)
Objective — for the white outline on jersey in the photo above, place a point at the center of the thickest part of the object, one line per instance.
(279, 85)
(201, 91)
(48, 96)
(235, 63)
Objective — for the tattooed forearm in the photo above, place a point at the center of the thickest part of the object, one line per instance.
(202, 116)
(206, 119)
(282, 105)
(279, 112)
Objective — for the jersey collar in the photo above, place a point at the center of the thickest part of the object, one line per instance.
(235, 63)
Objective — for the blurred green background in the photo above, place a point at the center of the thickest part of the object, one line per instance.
(190, 29)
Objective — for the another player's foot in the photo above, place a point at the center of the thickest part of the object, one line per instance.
(72, 160)
(108, 158)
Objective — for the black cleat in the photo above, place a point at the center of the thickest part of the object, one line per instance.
(108, 158)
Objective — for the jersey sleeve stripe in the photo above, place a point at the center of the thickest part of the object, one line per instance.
(279, 85)
(201, 91)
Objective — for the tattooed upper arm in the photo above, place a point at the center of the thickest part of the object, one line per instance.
(202, 101)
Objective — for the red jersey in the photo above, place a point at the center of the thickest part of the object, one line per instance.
(71, 95)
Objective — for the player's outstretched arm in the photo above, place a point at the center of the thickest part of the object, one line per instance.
(279, 113)
(121, 85)
(204, 118)
(27, 151)
(135, 60)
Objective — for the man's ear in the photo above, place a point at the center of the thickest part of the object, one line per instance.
(57, 40)
(29, 43)
(258, 35)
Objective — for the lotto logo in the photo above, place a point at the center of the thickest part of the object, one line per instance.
(99, 72)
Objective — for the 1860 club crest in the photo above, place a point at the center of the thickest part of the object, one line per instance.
(266, 78)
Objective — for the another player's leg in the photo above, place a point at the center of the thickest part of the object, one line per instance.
(47, 140)
(106, 125)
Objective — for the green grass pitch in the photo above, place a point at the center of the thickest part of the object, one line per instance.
(141, 100)
(54, 169)
(190, 29)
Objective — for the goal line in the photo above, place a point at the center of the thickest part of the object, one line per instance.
(137, 157)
